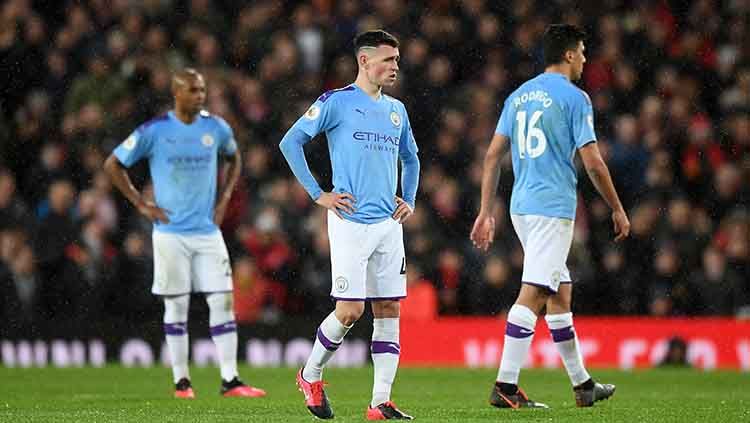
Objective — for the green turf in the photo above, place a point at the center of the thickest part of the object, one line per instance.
(116, 394)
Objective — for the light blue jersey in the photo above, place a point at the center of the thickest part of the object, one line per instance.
(547, 119)
(366, 139)
(183, 160)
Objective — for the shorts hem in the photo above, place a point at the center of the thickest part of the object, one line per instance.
(169, 294)
(400, 297)
(538, 285)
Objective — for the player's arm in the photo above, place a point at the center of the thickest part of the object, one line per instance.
(483, 231)
(137, 146)
(121, 180)
(409, 173)
(317, 119)
(582, 118)
(602, 180)
(234, 169)
(228, 149)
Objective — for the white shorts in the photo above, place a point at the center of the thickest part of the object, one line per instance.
(546, 242)
(190, 263)
(367, 260)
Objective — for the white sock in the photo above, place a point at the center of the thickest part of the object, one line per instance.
(327, 340)
(223, 330)
(385, 354)
(561, 328)
(519, 331)
(175, 329)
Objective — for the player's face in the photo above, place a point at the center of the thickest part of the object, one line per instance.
(578, 59)
(192, 94)
(382, 65)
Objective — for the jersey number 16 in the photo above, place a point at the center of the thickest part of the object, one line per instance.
(526, 146)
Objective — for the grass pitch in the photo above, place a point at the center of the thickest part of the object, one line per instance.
(117, 394)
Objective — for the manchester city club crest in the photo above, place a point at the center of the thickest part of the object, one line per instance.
(313, 112)
(207, 140)
(341, 284)
(395, 119)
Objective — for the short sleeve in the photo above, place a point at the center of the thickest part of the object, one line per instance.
(135, 147)
(505, 123)
(583, 121)
(320, 117)
(228, 144)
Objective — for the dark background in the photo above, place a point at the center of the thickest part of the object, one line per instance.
(670, 83)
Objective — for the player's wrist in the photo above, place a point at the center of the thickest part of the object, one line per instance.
(139, 203)
(315, 195)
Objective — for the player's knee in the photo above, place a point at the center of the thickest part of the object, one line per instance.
(386, 309)
(533, 297)
(176, 308)
(220, 307)
(349, 312)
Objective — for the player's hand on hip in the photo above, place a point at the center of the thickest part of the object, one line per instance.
(152, 212)
(403, 210)
(621, 225)
(337, 203)
(483, 232)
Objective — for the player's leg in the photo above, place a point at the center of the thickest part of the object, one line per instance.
(349, 254)
(560, 322)
(172, 284)
(519, 332)
(521, 320)
(349, 250)
(329, 336)
(175, 328)
(212, 276)
(386, 285)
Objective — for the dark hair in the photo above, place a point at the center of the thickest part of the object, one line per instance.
(558, 39)
(374, 38)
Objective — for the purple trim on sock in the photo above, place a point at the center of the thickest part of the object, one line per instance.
(563, 334)
(549, 290)
(175, 329)
(515, 331)
(223, 328)
(327, 343)
(380, 347)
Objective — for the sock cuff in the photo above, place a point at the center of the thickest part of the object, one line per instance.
(559, 321)
(522, 316)
(386, 329)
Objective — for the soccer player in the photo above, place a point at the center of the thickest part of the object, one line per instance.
(368, 132)
(183, 148)
(544, 122)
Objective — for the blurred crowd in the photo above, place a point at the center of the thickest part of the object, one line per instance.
(669, 80)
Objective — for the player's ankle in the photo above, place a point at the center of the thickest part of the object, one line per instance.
(589, 384)
(507, 388)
